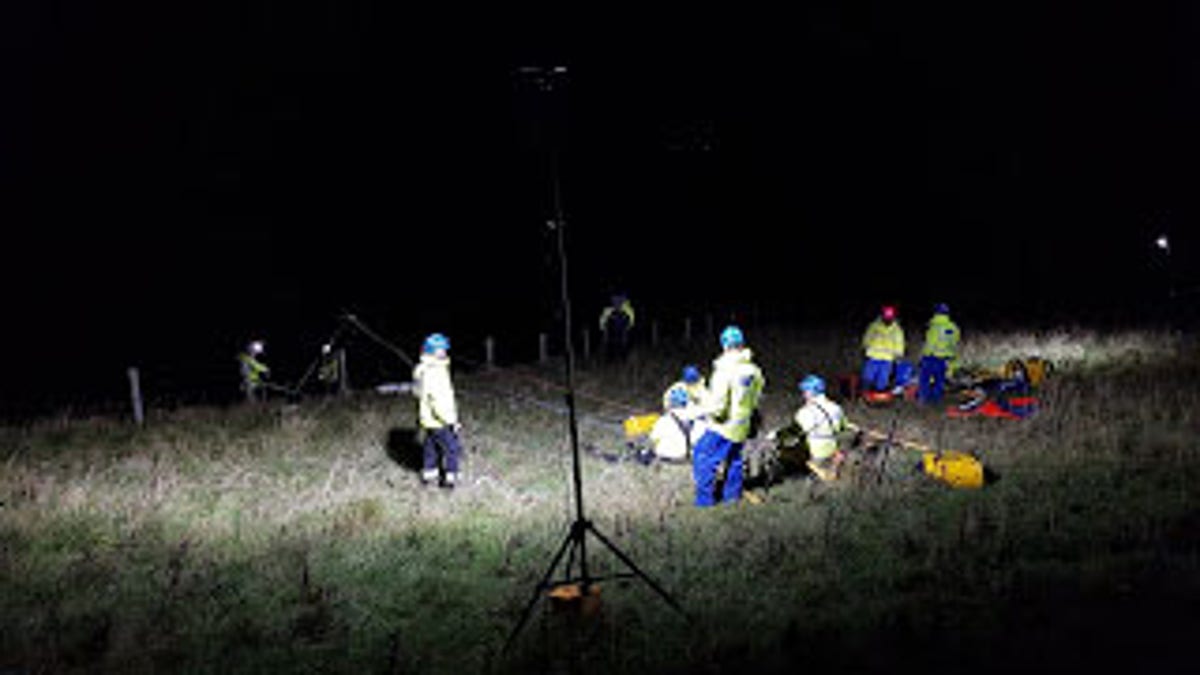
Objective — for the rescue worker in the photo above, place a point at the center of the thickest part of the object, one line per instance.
(691, 384)
(616, 322)
(438, 412)
(253, 371)
(821, 421)
(677, 430)
(883, 343)
(939, 356)
(329, 373)
(730, 405)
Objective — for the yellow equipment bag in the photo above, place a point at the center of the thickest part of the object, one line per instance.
(1033, 370)
(639, 425)
(957, 469)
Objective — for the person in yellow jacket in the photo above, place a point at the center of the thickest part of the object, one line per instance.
(731, 403)
(678, 429)
(883, 343)
(691, 384)
(939, 356)
(437, 412)
(616, 322)
(821, 421)
(253, 371)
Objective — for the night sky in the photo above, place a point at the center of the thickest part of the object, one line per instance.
(175, 181)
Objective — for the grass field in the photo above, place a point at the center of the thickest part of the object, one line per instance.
(299, 540)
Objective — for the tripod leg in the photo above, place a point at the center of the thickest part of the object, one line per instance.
(537, 590)
(636, 570)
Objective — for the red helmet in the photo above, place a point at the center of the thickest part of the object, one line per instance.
(888, 313)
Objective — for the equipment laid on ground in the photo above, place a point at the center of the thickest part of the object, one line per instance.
(957, 469)
(636, 426)
(1003, 394)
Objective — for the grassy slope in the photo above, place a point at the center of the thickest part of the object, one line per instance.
(252, 541)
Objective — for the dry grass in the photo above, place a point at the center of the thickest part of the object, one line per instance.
(299, 539)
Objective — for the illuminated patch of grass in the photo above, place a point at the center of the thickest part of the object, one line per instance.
(299, 539)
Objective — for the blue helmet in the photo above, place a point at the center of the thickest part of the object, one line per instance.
(732, 337)
(691, 374)
(435, 342)
(812, 384)
(677, 397)
(941, 308)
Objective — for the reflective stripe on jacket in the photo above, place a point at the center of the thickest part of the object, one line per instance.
(737, 386)
(252, 368)
(884, 341)
(821, 420)
(941, 338)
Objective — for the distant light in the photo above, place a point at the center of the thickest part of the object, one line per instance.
(560, 69)
(1162, 243)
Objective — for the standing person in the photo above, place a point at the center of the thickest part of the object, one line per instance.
(437, 411)
(616, 322)
(939, 355)
(737, 385)
(883, 343)
(329, 373)
(253, 371)
(821, 421)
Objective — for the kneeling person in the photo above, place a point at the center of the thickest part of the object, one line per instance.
(677, 430)
(821, 421)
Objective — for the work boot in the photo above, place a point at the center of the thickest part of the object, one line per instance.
(450, 481)
(429, 477)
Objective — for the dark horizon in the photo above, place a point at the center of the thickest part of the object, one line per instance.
(179, 182)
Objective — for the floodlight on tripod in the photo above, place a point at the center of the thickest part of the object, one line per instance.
(576, 574)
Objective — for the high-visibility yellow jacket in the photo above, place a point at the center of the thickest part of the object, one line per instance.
(626, 308)
(435, 393)
(821, 420)
(252, 369)
(883, 341)
(941, 338)
(737, 386)
(696, 392)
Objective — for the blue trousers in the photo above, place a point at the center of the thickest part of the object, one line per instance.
(876, 374)
(445, 440)
(710, 451)
(931, 379)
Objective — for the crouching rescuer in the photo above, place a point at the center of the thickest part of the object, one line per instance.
(821, 421)
(438, 412)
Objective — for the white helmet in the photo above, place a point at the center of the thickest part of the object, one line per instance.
(255, 347)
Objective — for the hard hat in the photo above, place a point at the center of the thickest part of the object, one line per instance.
(255, 347)
(326, 348)
(691, 374)
(732, 337)
(941, 308)
(888, 313)
(435, 342)
(812, 384)
(677, 397)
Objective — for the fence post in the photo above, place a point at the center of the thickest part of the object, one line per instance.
(687, 329)
(135, 395)
(587, 345)
(543, 348)
(489, 351)
(343, 374)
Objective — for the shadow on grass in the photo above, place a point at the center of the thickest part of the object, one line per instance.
(403, 447)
